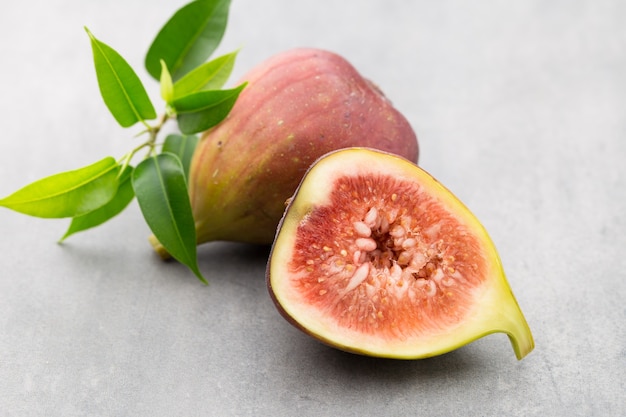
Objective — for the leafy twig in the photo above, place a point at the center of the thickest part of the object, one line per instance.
(193, 97)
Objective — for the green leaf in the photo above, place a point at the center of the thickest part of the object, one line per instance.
(116, 205)
(161, 190)
(209, 76)
(182, 146)
(200, 111)
(167, 87)
(120, 87)
(190, 36)
(68, 194)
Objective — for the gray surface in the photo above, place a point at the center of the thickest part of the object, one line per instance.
(520, 109)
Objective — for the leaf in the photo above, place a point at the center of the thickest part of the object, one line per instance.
(68, 194)
(188, 38)
(200, 111)
(116, 205)
(167, 88)
(209, 76)
(161, 190)
(182, 146)
(120, 87)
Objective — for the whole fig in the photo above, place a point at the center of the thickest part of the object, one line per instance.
(298, 105)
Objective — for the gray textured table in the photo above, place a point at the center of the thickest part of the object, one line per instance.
(520, 108)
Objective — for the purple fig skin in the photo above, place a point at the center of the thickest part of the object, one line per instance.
(298, 105)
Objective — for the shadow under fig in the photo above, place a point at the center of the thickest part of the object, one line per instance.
(453, 363)
(359, 370)
(211, 252)
(232, 262)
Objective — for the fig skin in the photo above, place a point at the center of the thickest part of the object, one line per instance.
(297, 106)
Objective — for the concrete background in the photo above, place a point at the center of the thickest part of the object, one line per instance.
(520, 109)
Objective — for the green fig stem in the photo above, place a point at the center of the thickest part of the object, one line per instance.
(518, 330)
(522, 340)
(159, 249)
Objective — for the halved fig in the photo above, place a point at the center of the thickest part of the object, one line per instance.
(374, 256)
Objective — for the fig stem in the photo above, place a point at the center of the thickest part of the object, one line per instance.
(521, 339)
(158, 248)
(517, 329)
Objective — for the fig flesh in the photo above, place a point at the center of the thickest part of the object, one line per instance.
(374, 256)
(297, 106)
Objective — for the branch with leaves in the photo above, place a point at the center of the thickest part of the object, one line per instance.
(191, 88)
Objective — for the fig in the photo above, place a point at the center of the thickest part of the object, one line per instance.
(297, 106)
(374, 256)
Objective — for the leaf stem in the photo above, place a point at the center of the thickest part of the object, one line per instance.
(151, 143)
